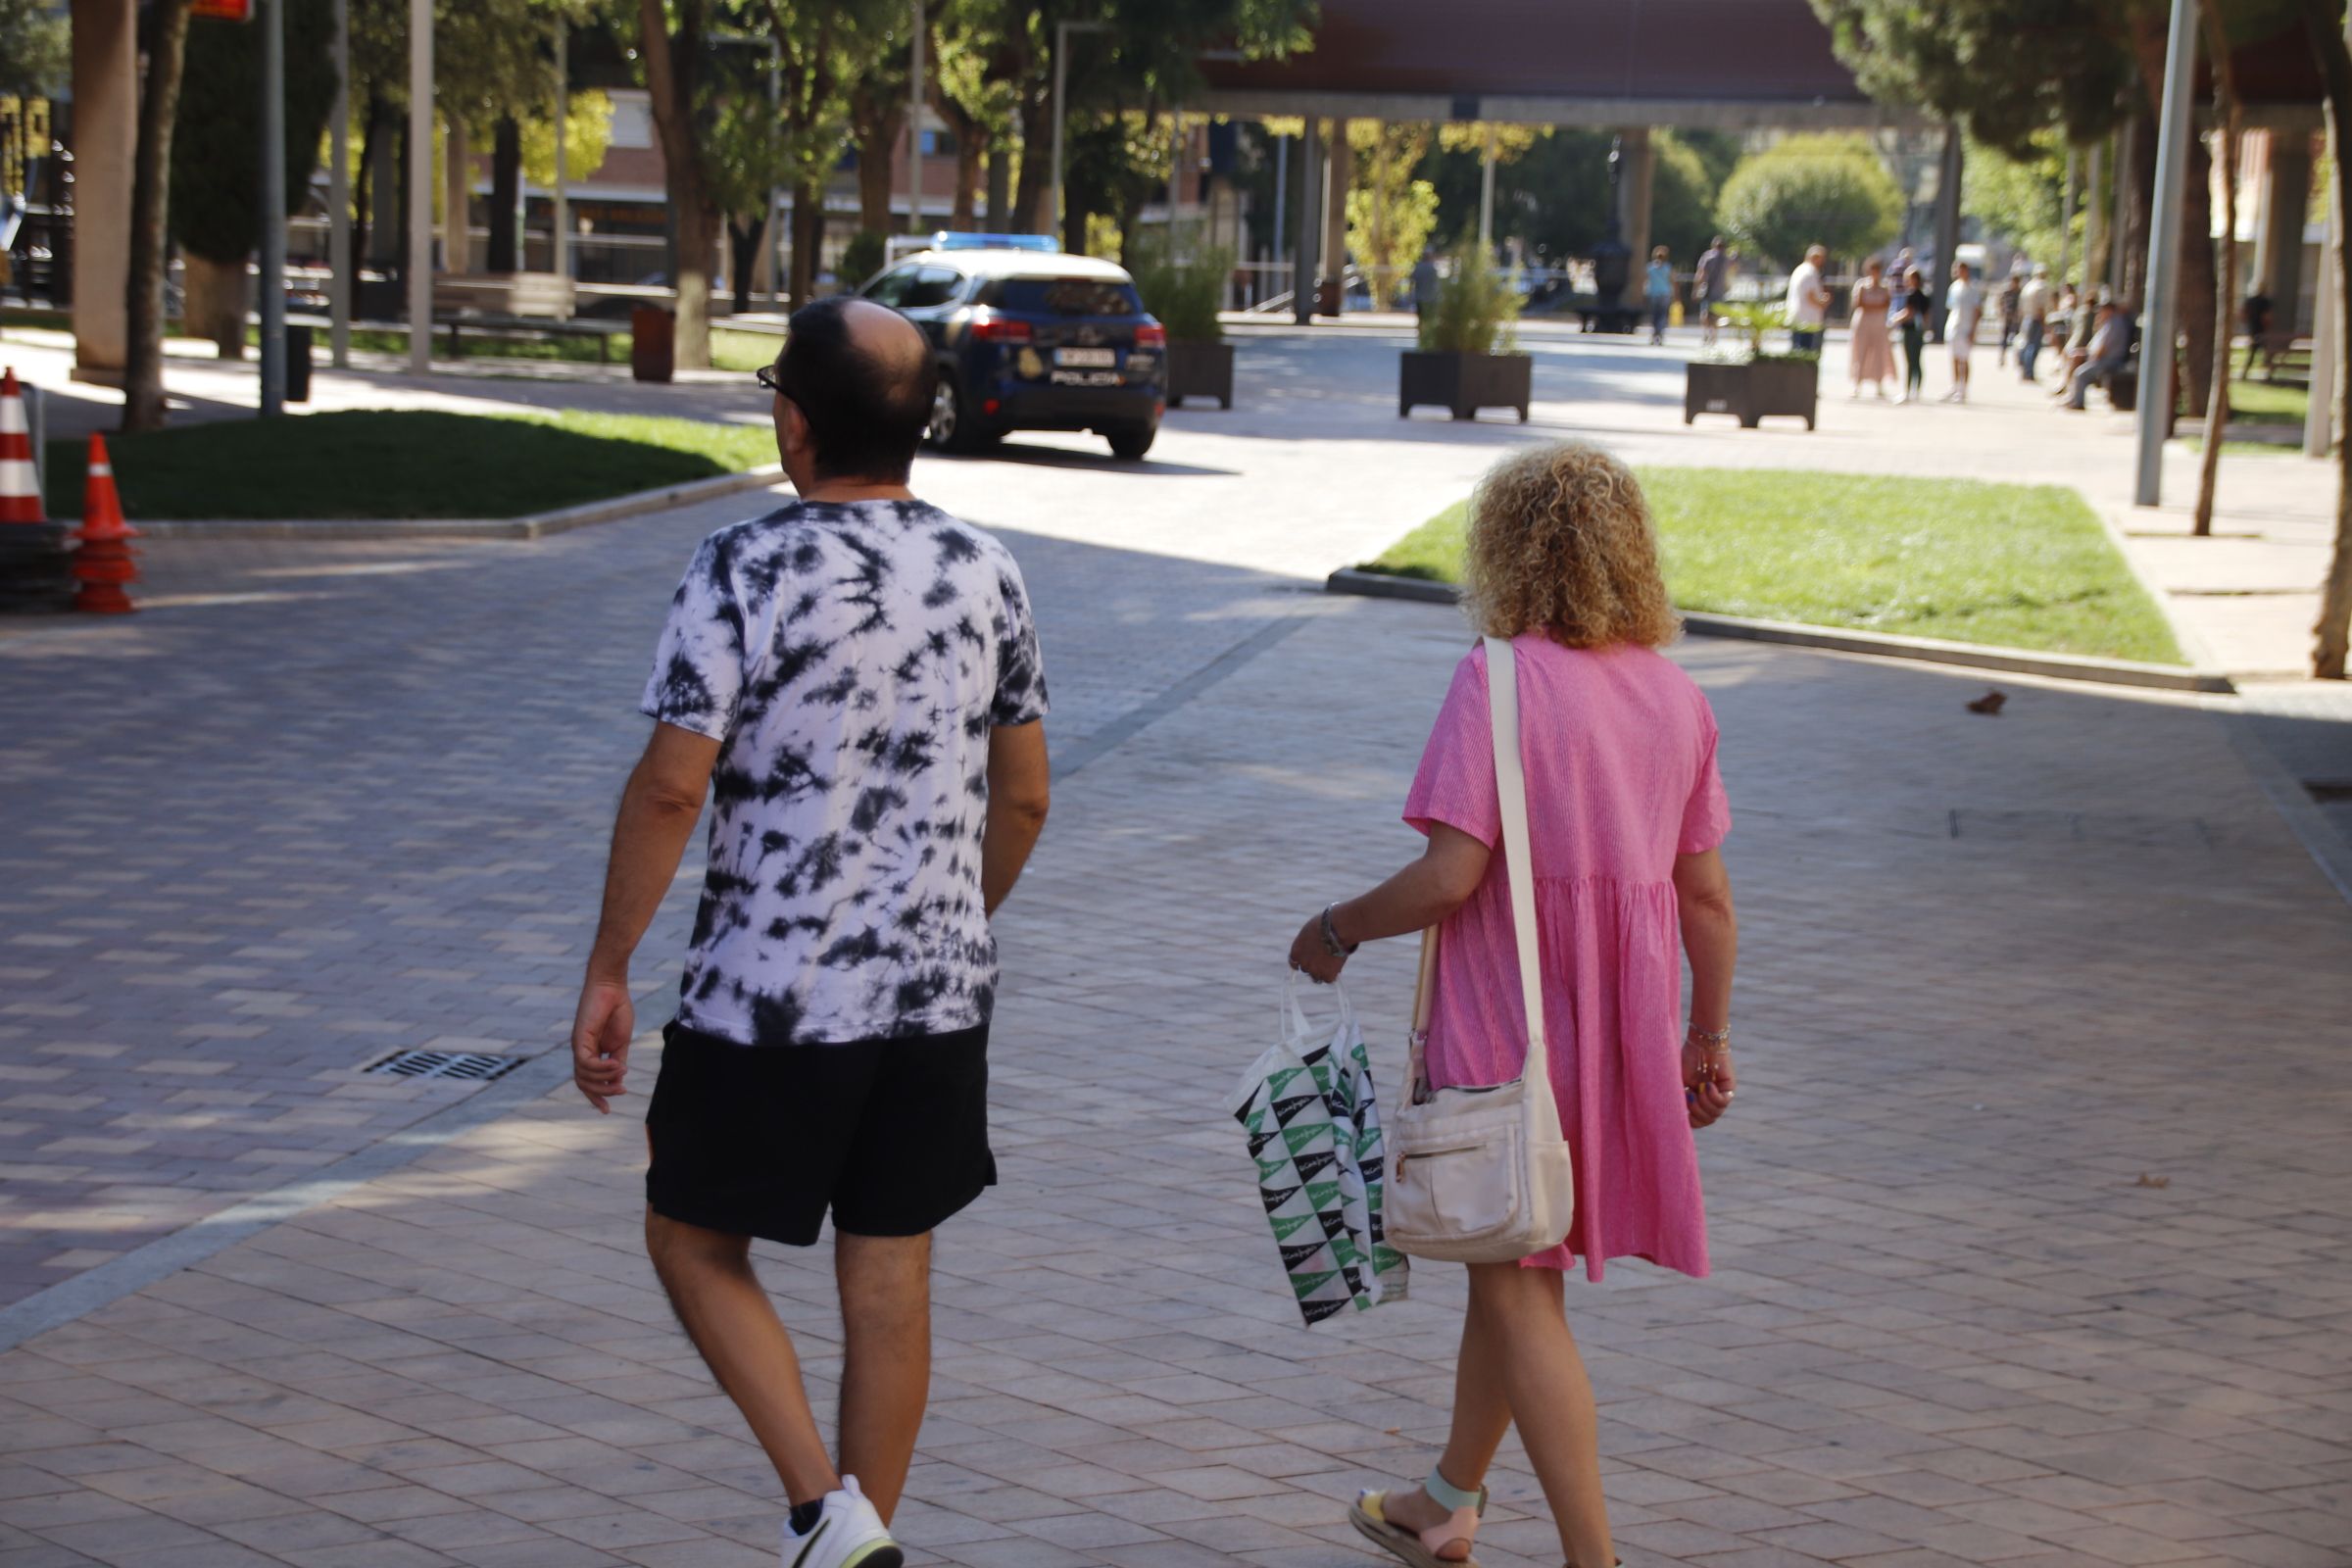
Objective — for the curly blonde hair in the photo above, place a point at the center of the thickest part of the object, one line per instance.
(1562, 542)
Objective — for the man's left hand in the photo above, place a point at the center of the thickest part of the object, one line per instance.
(600, 1042)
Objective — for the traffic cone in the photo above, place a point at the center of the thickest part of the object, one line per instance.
(103, 565)
(20, 492)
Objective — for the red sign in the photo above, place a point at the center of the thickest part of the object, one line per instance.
(221, 10)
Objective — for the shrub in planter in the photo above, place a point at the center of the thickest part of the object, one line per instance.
(1757, 384)
(1183, 289)
(1469, 356)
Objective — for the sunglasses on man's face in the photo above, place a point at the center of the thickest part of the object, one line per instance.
(766, 375)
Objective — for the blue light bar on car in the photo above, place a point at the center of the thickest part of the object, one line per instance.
(945, 240)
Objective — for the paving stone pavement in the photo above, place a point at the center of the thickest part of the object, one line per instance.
(2031, 1225)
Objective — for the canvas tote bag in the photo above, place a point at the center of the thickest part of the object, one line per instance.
(1482, 1175)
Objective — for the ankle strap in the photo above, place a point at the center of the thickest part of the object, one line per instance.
(1445, 1494)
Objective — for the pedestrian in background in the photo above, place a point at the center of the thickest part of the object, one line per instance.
(2033, 304)
(1657, 293)
(1627, 814)
(1808, 301)
(1911, 319)
(1425, 282)
(2013, 301)
(1964, 311)
(1870, 353)
(855, 679)
(2108, 352)
(1709, 282)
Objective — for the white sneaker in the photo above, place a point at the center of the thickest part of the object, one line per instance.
(848, 1534)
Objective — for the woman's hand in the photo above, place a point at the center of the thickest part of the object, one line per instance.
(1707, 1081)
(1310, 958)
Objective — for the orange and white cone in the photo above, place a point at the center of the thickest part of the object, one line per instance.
(103, 565)
(19, 489)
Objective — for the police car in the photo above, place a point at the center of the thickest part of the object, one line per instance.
(1030, 338)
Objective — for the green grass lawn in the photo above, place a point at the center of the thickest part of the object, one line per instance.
(2017, 565)
(379, 462)
(2269, 402)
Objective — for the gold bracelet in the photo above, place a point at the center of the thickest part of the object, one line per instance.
(1713, 1039)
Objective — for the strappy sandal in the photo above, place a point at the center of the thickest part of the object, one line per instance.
(1421, 1548)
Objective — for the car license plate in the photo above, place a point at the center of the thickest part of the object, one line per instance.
(1086, 359)
(1085, 379)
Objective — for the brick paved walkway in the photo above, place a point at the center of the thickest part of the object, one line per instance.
(2031, 1224)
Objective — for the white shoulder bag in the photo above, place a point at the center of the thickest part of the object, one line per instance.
(1482, 1175)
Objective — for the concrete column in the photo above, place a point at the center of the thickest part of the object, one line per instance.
(1636, 178)
(106, 118)
(1335, 206)
(2280, 207)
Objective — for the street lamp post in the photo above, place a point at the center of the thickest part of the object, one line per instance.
(420, 263)
(274, 207)
(1061, 86)
(2156, 339)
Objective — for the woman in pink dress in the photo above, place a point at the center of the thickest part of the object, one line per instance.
(1626, 811)
(1870, 350)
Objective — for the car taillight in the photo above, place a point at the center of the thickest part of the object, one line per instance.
(1150, 336)
(998, 329)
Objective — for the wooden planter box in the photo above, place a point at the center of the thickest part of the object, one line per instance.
(1464, 383)
(1748, 392)
(1200, 371)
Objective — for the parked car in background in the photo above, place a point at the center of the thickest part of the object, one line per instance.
(1031, 339)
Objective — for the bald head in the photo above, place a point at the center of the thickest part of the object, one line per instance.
(861, 375)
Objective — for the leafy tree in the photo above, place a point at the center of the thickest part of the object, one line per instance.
(2018, 199)
(215, 194)
(1812, 190)
(166, 30)
(1682, 191)
(1391, 213)
(33, 45)
(2323, 22)
(674, 38)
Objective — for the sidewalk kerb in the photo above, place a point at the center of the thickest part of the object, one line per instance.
(535, 525)
(1881, 645)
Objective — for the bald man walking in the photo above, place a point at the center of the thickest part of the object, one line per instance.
(854, 681)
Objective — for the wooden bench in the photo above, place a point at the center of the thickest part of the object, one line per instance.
(534, 306)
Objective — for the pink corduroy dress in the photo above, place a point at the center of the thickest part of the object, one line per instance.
(1619, 747)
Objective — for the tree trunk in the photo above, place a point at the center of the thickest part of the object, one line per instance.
(150, 214)
(1033, 198)
(2140, 144)
(361, 208)
(744, 252)
(970, 145)
(2333, 629)
(456, 196)
(807, 240)
(877, 144)
(669, 76)
(1000, 186)
(506, 194)
(212, 301)
(2198, 287)
(2216, 396)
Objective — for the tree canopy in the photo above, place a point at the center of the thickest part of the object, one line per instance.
(1812, 190)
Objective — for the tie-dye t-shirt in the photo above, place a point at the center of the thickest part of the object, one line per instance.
(851, 659)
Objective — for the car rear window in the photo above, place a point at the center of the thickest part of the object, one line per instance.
(1069, 296)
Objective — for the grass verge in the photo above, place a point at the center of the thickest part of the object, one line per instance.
(380, 463)
(2269, 402)
(2006, 565)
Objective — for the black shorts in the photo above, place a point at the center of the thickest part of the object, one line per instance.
(891, 1134)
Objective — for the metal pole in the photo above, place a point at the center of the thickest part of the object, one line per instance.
(2066, 225)
(1308, 238)
(1486, 196)
(420, 263)
(559, 238)
(1061, 77)
(338, 199)
(914, 126)
(274, 207)
(2158, 326)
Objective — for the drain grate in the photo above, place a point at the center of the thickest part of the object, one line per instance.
(471, 1066)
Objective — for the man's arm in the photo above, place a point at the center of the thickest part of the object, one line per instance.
(1019, 789)
(659, 808)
